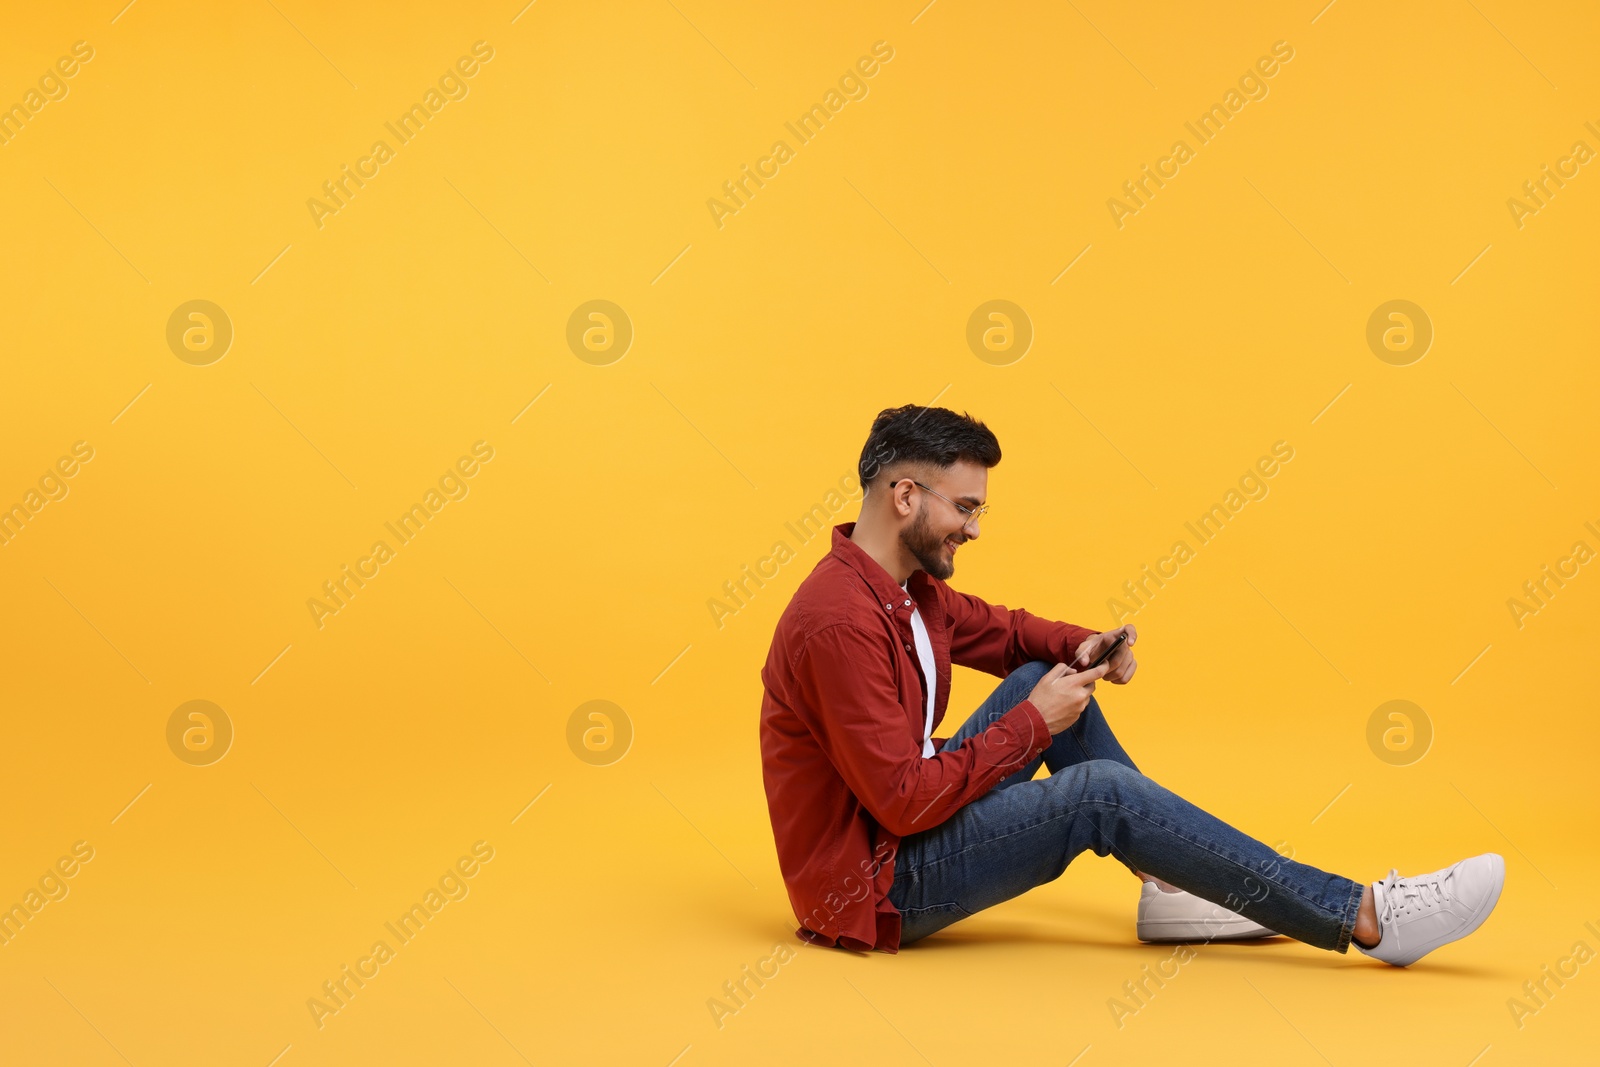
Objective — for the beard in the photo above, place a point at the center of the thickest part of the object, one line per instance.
(927, 546)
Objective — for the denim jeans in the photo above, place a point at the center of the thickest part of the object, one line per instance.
(1023, 833)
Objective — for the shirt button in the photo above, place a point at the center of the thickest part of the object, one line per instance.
(888, 607)
(908, 603)
(908, 648)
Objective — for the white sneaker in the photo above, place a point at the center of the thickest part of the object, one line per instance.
(1183, 916)
(1416, 915)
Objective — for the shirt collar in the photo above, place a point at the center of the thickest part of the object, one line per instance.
(890, 594)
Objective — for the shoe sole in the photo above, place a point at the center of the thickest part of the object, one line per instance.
(1204, 930)
(1477, 919)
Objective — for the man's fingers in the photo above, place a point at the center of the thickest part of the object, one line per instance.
(1092, 675)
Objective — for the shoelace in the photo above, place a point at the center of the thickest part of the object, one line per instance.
(1401, 895)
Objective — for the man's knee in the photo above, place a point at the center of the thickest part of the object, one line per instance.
(1096, 780)
(1030, 673)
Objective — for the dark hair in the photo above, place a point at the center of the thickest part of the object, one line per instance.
(924, 437)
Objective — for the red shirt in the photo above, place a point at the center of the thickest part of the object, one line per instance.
(842, 721)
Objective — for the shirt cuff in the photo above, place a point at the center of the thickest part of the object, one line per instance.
(1032, 732)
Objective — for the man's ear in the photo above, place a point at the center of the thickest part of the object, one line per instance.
(901, 499)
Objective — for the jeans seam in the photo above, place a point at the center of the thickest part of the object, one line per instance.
(1347, 922)
(1081, 746)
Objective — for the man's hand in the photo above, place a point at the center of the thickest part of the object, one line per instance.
(1063, 693)
(1121, 665)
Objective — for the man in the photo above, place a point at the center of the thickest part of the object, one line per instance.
(886, 833)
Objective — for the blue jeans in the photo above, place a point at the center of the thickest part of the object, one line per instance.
(1023, 833)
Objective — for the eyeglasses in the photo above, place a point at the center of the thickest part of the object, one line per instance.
(969, 515)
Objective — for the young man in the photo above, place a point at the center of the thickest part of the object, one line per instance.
(886, 833)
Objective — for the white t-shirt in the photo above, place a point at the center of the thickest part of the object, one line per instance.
(919, 634)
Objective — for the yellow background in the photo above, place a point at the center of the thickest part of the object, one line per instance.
(432, 309)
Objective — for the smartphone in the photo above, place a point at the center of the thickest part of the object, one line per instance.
(1109, 651)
